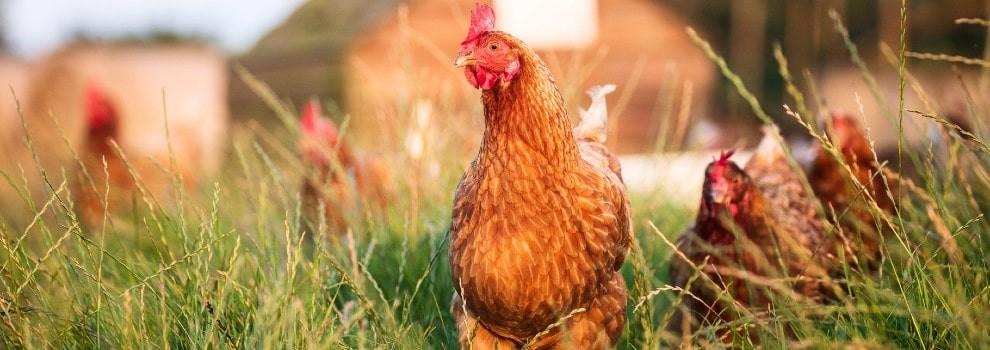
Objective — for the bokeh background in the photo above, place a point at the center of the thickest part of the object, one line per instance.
(373, 61)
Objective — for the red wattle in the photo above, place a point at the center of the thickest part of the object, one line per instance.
(469, 74)
(481, 78)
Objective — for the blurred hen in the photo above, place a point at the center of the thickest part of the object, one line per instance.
(757, 236)
(838, 192)
(338, 181)
(103, 170)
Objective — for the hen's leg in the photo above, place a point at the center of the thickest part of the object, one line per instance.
(472, 335)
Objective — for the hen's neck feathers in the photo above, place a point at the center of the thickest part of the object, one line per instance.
(99, 139)
(529, 110)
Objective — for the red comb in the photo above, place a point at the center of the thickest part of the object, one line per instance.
(482, 21)
(99, 112)
(311, 115)
(842, 120)
(719, 165)
(319, 134)
(723, 157)
(315, 124)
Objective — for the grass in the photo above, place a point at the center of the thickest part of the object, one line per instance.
(226, 266)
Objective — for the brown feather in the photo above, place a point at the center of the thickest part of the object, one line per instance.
(836, 191)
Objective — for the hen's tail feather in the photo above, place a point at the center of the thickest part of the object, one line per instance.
(594, 120)
(591, 132)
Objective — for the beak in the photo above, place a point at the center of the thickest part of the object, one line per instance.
(709, 202)
(719, 196)
(714, 197)
(464, 60)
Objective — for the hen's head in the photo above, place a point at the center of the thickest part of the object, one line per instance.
(489, 57)
(849, 137)
(100, 113)
(319, 135)
(726, 188)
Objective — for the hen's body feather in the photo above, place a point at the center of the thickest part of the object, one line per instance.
(859, 225)
(363, 183)
(540, 224)
(97, 151)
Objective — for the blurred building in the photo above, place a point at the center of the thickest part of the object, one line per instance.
(301, 57)
(930, 91)
(743, 31)
(13, 75)
(638, 44)
(573, 26)
(188, 82)
(379, 57)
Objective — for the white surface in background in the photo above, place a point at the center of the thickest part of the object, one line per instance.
(550, 24)
(34, 27)
(676, 176)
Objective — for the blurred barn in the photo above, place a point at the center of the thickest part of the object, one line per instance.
(353, 51)
(941, 94)
(13, 75)
(188, 83)
(301, 57)
(638, 44)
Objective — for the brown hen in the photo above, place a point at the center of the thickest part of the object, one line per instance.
(832, 185)
(757, 237)
(117, 175)
(339, 181)
(102, 124)
(540, 223)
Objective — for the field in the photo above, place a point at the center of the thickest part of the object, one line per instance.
(229, 267)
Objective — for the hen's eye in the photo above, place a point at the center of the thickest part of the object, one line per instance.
(493, 46)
